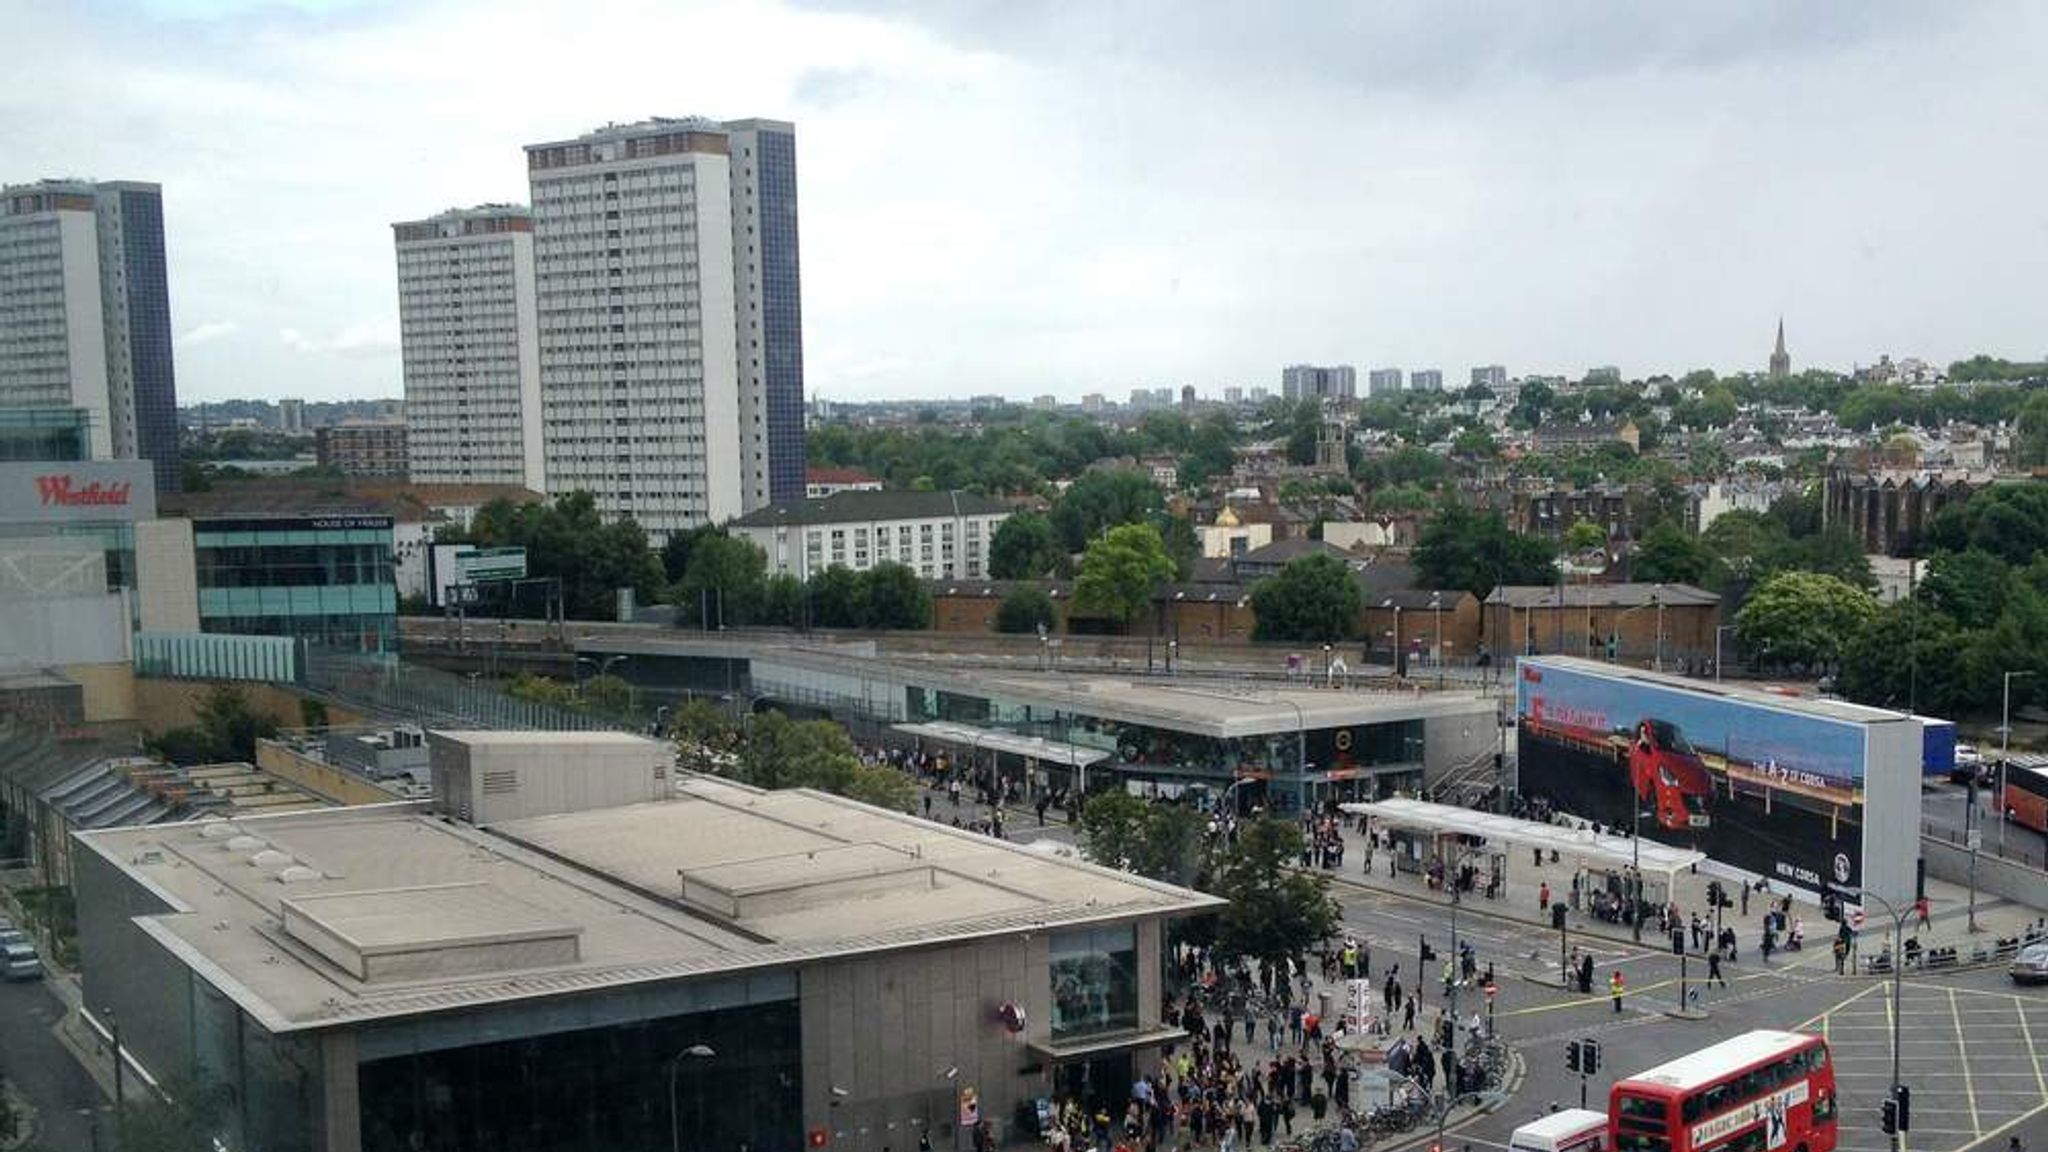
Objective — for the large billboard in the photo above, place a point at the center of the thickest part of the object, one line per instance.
(1773, 790)
(71, 492)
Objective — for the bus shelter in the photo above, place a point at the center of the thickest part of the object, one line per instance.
(1033, 754)
(1505, 836)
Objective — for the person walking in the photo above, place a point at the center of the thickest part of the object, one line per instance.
(1408, 1017)
(1615, 988)
(1841, 955)
(1586, 974)
(1543, 896)
(1924, 907)
(1714, 970)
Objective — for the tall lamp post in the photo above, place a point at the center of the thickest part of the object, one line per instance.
(1658, 596)
(1452, 875)
(1436, 637)
(675, 1065)
(1718, 629)
(1635, 863)
(1898, 971)
(2004, 744)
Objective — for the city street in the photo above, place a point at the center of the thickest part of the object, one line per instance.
(1975, 1054)
(67, 1102)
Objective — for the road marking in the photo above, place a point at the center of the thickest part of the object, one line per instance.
(2027, 1032)
(1962, 1047)
(1607, 1001)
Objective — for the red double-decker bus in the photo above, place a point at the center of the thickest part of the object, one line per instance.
(1759, 1092)
(2025, 799)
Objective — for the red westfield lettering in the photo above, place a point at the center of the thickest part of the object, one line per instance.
(58, 489)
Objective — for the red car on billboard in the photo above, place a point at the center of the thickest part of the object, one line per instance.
(1670, 776)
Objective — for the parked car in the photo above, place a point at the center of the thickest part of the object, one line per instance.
(2031, 965)
(1969, 764)
(20, 962)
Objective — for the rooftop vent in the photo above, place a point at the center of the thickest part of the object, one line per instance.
(247, 844)
(271, 858)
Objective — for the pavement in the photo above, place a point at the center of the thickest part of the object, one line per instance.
(68, 1110)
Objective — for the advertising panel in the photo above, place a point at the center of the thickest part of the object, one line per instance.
(462, 566)
(1768, 789)
(70, 492)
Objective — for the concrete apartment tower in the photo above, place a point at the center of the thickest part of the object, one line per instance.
(87, 314)
(669, 318)
(768, 296)
(469, 330)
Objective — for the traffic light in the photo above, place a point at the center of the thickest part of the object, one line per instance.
(1713, 893)
(1903, 1096)
(1589, 1055)
(1830, 905)
(1889, 1119)
(1571, 1061)
(1557, 915)
(1427, 952)
(1677, 942)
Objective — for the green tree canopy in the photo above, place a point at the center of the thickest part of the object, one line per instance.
(723, 581)
(1803, 619)
(1024, 548)
(1275, 911)
(1100, 500)
(1461, 548)
(567, 539)
(839, 598)
(1121, 571)
(777, 752)
(1971, 588)
(1026, 608)
(1163, 842)
(1584, 535)
(1669, 554)
(1907, 654)
(2009, 521)
(2030, 446)
(1312, 599)
(897, 598)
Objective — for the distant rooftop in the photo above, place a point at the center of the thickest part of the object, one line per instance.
(1602, 596)
(323, 918)
(861, 507)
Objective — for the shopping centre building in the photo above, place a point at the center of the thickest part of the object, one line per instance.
(568, 949)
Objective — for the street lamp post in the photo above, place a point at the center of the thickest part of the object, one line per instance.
(1718, 629)
(1898, 973)
(1453, 873)
(2004, 745)
(1635, 866)
(675, 1065)
(1300, 756)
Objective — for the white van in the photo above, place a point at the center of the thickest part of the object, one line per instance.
(1569, 1130)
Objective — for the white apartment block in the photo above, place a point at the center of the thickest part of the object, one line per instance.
(467, 325)
(85, 319)
(1426, 380)
(768, 310)
(938, 535)
(633, 258)
(1383, 382)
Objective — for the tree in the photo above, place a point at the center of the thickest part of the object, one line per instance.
(1970, 588)
(723, 583)
(1312, 599)
(2030, 445)
(611, 695)
(1026, 608)
(1671, 555)
(783, 601)
(1023, 548)
(1162, 842)
(675, 555)
(1100, 500)
(1908, 653)
(569, 540)
(1461, 548)
(1798, 513)
(1121, 571)
(1743, 542)
(777, 752)
(1835, 552)
(1584, 535)
(897, 598)
(1803, 619)
(226, 729)
(1212, 450)
(839, 598)
(2009, 521)
(1274, 911)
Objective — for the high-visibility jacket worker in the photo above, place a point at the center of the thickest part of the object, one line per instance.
(1615, 988)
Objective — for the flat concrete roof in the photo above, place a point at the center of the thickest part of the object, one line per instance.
(721, 879)
(525, 738)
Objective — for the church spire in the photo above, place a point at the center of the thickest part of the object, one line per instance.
(1781, 360)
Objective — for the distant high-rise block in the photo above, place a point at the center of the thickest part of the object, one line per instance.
(768, 299)
(372, 449)
(471, 347)
(1494, 376)
(85, 314)
(1383, 381)
(1426, 380)
(1233, 394)
(1308, 381)
(291, 415)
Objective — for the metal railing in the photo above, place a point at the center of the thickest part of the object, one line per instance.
(394, 691)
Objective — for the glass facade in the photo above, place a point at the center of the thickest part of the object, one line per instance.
(1094, 982)
(782, 344)
(625, 1087)
(149, 332)
(56, 434)
(328, 582)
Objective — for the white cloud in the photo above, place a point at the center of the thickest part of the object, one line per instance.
(208, 332)
(1069, 197)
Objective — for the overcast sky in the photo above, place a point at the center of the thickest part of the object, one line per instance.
(1018, 197)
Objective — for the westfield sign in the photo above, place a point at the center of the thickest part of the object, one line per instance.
(57, 489)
